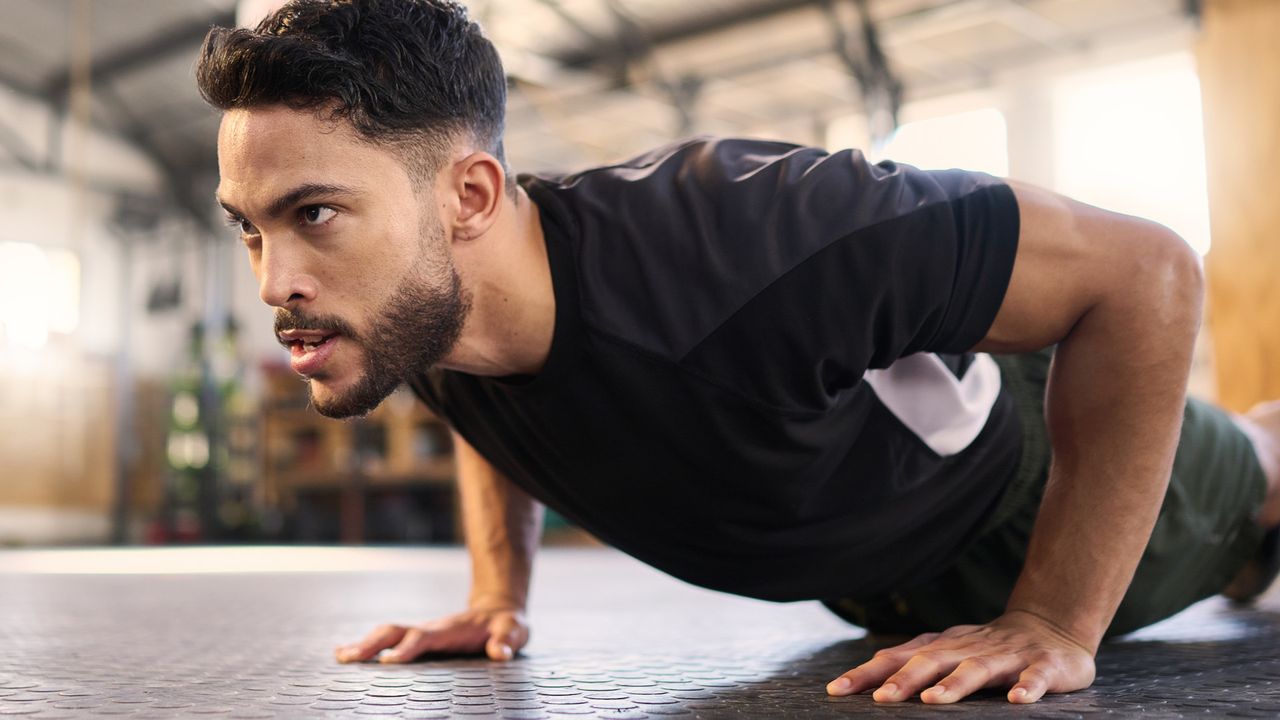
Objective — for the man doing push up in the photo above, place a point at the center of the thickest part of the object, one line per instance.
(942, 403)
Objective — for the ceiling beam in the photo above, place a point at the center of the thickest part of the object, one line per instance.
(21, 87)
(12, 142)
(747, 12)
(157, 46)
(608, 50)
(180, 181)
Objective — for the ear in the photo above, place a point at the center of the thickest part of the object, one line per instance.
(480, 184)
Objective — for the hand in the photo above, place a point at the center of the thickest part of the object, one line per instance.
(498, 632)
(1018, 648)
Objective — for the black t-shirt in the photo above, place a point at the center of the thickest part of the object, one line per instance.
(724, 398)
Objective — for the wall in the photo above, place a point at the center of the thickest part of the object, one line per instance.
(1239, 60)
(58, 404)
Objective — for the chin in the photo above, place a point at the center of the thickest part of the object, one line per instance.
(354, 400)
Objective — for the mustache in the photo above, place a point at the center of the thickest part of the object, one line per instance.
(295, 320)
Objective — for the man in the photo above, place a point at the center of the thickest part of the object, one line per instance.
(759, 367)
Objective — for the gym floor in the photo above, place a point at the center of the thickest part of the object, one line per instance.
(249, 633)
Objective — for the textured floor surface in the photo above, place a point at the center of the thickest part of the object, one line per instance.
(249, 632)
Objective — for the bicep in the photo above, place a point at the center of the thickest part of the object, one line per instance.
(475, 469)
(1070, 257)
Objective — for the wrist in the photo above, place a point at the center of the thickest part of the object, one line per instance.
(1087, 640)
(487, 600)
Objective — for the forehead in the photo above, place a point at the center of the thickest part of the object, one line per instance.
(261, 150)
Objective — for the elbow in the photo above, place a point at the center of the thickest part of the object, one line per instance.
(1175, 279)
(1186, 274)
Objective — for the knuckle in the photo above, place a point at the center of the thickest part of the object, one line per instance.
(980, 664)
(926, 663)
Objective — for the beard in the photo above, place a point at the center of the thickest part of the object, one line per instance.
(413, 330)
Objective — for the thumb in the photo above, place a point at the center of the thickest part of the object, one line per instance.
(503, 641)
(499, 648)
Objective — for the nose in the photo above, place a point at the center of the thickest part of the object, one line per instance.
(282, 279)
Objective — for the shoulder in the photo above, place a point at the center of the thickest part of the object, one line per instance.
(671, 243)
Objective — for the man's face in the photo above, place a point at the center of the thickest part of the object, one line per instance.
(346, 247)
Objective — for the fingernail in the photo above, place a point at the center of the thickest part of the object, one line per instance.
(839, 685)
(389, 657)
(937, 690)
(1019, 692)
(507, 652)
(888, 689)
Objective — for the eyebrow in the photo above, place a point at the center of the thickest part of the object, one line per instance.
(299, 194)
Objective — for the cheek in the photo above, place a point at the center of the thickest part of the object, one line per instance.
(376, 262)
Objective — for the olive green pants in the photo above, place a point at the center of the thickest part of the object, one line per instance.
(1204, 535)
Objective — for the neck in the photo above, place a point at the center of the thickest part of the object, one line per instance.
(512, 318)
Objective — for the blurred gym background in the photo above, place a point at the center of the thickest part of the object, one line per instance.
(144, 400)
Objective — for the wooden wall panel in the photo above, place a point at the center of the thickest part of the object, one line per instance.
(1239, 59)
(57, 437)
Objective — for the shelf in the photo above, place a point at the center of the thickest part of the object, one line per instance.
(400, 443)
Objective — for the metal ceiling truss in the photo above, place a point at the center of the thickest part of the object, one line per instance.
(181, 180)
(630, 52)
(18, 148)
(863, 56)
(636, 45)
(123, 123)
(159, 45)
(745, 13)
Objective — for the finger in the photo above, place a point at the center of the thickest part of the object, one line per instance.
(504, 638)
(1032, 684)
(920, 672)
(881, 665)
(415, 642)
(383, 636)
(867, 675)
(972, 675)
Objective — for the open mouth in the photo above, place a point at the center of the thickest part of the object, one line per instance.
(313, 345)
(305, 339)
(309, 349)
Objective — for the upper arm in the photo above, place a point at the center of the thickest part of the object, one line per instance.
(1070, 257)
(472, 466)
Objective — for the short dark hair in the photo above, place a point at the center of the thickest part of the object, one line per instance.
(412, 73)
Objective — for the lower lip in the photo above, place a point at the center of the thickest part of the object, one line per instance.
(308, 361)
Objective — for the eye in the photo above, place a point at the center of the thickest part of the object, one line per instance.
(245, 227)
(315, 215)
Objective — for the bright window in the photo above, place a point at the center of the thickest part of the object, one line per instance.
(971, 140)
(1130, 138)
(39, 293)
(974, 140)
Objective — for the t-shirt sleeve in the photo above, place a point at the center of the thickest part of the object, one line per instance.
(865, 264)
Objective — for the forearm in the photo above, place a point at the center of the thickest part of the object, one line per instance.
(502, 526)
(1114, 409)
